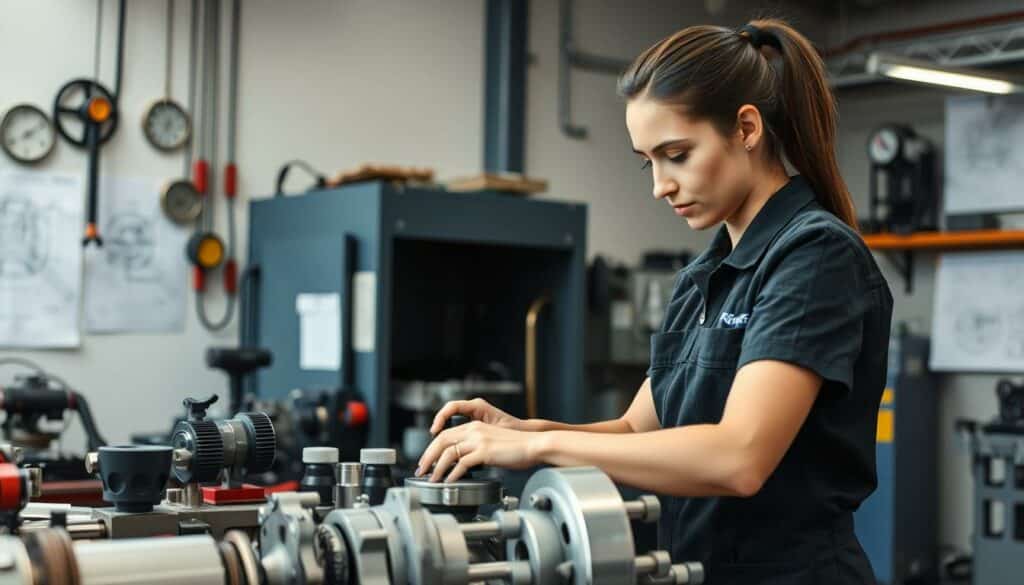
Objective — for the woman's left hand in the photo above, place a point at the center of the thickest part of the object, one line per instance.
(477, 443)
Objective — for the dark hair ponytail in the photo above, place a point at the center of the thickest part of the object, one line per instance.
(711, 71)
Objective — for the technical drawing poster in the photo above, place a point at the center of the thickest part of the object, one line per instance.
(978, 323)
(135, 283)
(40, 259)
(984, 158)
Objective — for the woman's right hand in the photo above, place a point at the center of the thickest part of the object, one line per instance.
(476, 409)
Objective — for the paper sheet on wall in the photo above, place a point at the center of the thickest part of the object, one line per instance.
(319, 330)
(40, 259)
(978, 320)
(137, 282)
(984, 160)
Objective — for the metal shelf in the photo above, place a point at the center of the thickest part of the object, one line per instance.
(980, 47)
(937, 242)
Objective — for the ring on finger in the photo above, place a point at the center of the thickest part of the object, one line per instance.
(458, 453)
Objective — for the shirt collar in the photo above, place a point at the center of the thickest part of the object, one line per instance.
(773, 216)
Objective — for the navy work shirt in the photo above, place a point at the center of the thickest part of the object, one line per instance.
(800, 287)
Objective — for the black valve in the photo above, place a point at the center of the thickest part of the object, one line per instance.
(195, 410)
(244, 444)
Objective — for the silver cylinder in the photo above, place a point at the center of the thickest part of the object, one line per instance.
(646, 509)
(480, 530)
(348, 490)
(485, 571)
(139, 561)
(87, 531)
(193, 495)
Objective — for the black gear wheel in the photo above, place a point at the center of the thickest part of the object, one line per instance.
(332, 553)
(203, 439)
(262, 441)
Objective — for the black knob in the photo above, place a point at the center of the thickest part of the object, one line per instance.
(203, 440)
(262, 441)
(196, 409)
(134, 476)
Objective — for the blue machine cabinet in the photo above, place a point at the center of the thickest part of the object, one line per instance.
(454, 276)
(897, 524)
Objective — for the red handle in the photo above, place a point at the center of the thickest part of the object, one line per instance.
(199, 175)
(231, 276)
(198, 279)
(230, 180)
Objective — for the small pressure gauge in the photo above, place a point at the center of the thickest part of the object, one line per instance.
(885, 145)
(181, 202)
(27, 133)
(166, 125)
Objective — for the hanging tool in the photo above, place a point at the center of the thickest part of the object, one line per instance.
(95, 107)
(166, 124)
(205, 249)
(180, 200)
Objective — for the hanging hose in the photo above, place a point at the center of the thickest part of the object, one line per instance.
(213, 79)
(193, 40)
(120, 51)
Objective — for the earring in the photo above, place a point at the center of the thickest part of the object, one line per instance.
(748, 147)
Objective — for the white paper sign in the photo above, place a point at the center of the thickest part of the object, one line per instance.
(978, 321)
(984, 159)
(319, 330)
(364, 311)
(40, 259)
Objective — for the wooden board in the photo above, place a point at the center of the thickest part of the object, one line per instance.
(386, 172)
(505, 182)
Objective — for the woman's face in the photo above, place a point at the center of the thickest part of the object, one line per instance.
(705, 177)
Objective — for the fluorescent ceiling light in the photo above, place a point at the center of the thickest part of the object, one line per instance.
(933, 74)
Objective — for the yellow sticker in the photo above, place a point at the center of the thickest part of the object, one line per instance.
(887, 396)
(885, 426)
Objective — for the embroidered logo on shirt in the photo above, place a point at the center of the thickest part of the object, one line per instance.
(732, 321)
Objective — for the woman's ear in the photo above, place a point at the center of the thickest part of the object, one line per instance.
(750, 125)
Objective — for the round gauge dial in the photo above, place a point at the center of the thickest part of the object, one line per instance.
(884, 146)
(167, 125)
(181, 202)
(27, 133)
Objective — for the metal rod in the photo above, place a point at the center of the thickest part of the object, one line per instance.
(635, 509)
(480, 530)
(87, 531)
(169, 50)
(601, 64)
(531, 354)
(192, 51)
(645, 565)
(484, 571)
(233, 79)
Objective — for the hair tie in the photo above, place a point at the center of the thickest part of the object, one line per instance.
(759, 38)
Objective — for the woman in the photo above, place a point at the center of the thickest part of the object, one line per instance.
(757, 421)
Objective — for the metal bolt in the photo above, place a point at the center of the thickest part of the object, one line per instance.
(92, 463)
(182, 458)
(35, 479)
(540, 502)
(565, 571)
(509, 503)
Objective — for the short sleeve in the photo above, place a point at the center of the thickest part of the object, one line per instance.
(810, 309)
